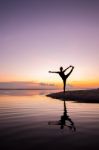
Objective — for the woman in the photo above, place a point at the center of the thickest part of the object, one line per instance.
(62, 74)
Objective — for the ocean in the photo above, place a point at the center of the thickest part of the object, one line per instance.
(31, 120)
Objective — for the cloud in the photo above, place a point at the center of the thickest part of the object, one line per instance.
(26, 85)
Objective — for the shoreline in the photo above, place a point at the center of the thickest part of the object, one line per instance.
(86, 96)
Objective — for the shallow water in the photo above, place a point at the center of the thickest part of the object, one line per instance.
(24, 118)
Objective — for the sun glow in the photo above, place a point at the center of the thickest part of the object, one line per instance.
(75, 80)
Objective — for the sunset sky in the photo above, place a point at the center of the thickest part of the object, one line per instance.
(41, 35)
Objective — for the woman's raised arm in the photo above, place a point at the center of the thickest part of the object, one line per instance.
(53, 71)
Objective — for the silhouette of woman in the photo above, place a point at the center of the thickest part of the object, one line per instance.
(62, 74)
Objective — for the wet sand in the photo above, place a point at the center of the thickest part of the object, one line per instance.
(86, 96)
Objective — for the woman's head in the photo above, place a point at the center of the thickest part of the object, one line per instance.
(61, 68)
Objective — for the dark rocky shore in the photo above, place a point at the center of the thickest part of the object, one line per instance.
(86, 96)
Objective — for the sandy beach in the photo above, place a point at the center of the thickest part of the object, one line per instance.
(86, 96)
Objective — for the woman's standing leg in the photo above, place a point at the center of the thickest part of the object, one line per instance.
(64, 85)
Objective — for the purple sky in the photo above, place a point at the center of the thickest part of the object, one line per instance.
(41, 35)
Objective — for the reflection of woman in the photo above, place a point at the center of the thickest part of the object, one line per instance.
(62, 75)
(64, 118)
(64, 121)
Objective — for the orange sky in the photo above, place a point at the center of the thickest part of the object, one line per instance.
(56, 80)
